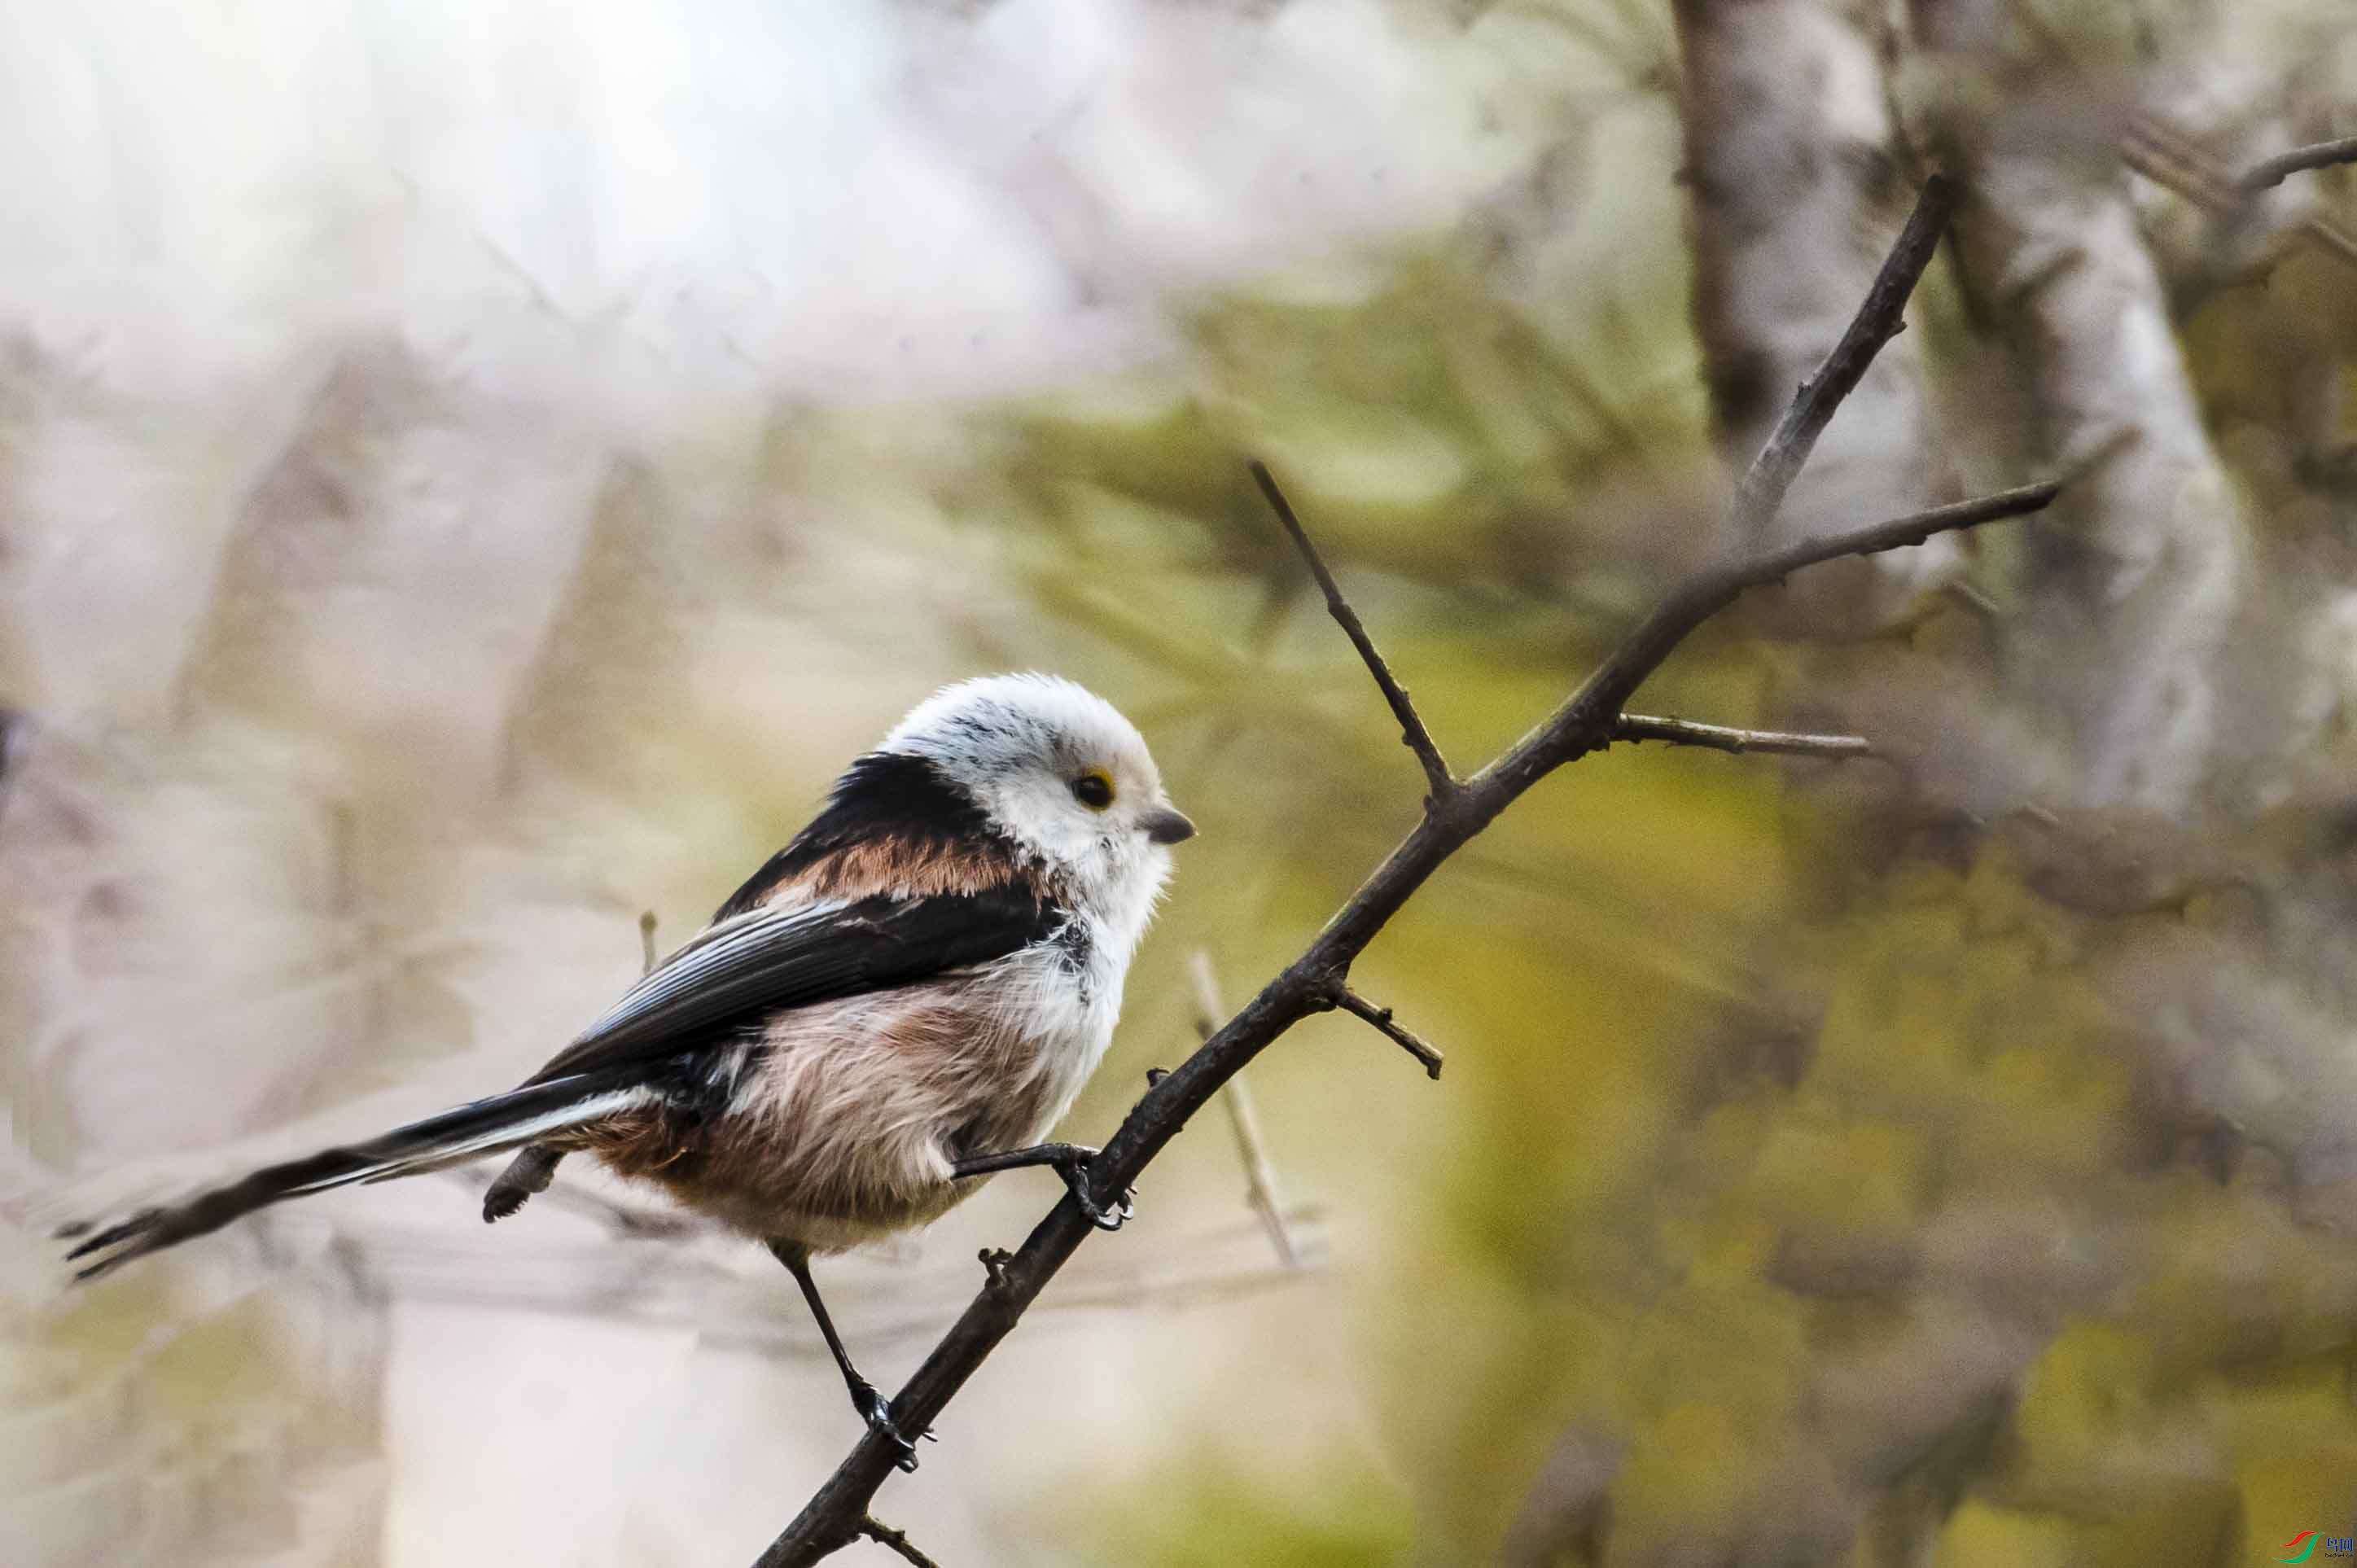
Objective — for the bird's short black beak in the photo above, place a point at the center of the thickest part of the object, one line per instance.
(1164, 825)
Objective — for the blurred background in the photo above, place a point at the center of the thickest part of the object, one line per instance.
(470, 473)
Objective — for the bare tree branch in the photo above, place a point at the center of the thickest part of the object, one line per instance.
(1380, 1019)
(1878, 320)
(1316, 980)
(1711, 590)
(2270, 172)
(1260, 1176)
(1412, 735)
(894, 1541)
(1635, 727)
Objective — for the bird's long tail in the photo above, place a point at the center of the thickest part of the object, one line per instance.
(484, 1127)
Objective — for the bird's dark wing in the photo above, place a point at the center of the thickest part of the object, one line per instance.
(768, 959)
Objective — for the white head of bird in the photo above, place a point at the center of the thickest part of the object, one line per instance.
(1064, 775)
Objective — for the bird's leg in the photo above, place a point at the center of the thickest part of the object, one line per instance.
(1070, 1161)
(528, 1173)
(873, 1408)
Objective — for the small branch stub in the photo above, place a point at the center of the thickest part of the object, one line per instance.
(1441, 783)
(894, 1540)
(1357, 1006)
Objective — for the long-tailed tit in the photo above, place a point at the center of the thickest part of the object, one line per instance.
(908, 996)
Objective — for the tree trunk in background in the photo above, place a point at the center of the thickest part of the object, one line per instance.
(2136, 573)
(1798, 193)
(2263, 286)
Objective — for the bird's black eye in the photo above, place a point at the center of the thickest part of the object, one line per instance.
(1093, 791)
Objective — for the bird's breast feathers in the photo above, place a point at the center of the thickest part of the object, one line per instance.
(1011, 1040)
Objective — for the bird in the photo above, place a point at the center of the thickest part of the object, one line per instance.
(907, 997)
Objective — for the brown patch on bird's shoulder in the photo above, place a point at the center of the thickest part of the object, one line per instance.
(892, 866)
(893, 824)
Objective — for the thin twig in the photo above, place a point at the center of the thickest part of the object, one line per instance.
(2175, 162)
(647, 942)
(2274, 171)
(884, 1535)
(1357, 1006)
(1412, 735)
(1878, 320)
(1260, 1176)
(1586, 719)
(1718, 737)
(1311, 983)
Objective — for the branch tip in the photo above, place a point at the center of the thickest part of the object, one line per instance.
(2174, 161)
(2274, 171)
(1380, 1019)
(1413, 733)
(896, 1541)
